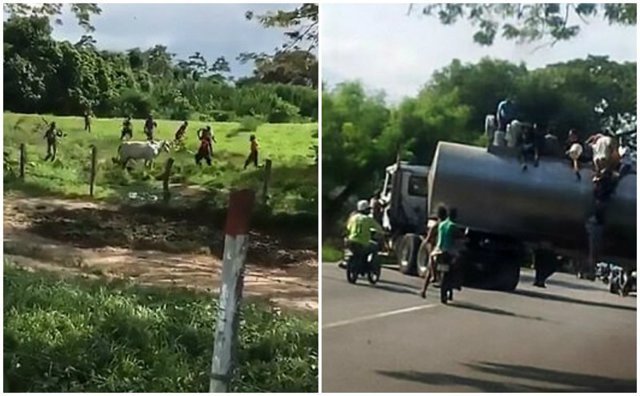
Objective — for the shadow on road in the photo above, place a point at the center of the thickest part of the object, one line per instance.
(495, 311)
(578, 285)
(549, 380)
(393, 287)
(554, 297)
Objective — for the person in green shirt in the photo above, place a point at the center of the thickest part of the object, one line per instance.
(359, 228)
(445, 232)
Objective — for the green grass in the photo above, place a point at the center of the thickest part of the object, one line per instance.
(77, 335)
(293, 186)
(331, 253)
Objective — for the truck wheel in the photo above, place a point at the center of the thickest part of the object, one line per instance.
(422, 262)
(407, 253)
(509, 277)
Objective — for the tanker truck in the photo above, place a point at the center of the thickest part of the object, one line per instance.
(510, 214)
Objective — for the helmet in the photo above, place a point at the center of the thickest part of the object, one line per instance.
(362, 205)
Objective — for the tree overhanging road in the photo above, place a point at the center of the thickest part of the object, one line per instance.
(572, 336)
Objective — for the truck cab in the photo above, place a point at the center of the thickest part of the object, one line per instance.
(404, 198)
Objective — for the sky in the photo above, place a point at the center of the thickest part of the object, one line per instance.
(212, 29)
(388, 50)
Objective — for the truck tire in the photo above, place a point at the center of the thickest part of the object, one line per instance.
(422, 261)
(407, 253)
(509, 277)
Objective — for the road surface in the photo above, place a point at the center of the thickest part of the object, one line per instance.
(571, 336)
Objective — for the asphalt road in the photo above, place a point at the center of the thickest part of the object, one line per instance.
(571, 336)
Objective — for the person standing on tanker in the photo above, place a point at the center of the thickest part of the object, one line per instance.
(51, 135)
(505, 114)
(444, 245)
(529, 146)
(359, 228)
(574, 151)
(253, 153)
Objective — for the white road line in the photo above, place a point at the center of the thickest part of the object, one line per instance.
(378, 316)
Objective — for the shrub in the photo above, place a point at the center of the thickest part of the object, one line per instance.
(249, 124)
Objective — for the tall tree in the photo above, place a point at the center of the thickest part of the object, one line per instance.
(531, 22)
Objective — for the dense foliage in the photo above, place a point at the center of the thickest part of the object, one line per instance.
(82, 336)
(526, 23)
(42, 75)
(362, 135)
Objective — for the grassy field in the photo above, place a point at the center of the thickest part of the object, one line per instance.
(76, 335)
(290, 146)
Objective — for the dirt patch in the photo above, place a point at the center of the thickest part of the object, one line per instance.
(96, 239)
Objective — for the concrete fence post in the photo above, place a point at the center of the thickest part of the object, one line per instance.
(236, 242)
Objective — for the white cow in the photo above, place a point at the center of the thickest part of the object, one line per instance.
(136, 150)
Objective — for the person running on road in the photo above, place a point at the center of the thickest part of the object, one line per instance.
(253, 153)
(444, 245)
(359, 228)
(149, 127)
(51, 135)
(127, 129)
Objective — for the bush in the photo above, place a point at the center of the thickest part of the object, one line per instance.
(135, 103)
(249, 124)
(282, 112)
(223, 116)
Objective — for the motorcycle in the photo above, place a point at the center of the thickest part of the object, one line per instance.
(362, 264)
(443, 269)
(619, 278)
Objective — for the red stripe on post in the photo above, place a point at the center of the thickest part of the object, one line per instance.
(239, 212)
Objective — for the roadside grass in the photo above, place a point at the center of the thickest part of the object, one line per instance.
(331, 253)
(293, 186)
(77, 335)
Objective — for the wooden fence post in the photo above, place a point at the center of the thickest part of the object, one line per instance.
(267, 178)
(92, 180)
(165, 180)
(23, 159)
(236, 242)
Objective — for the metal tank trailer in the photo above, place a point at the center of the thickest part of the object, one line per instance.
(544, 207)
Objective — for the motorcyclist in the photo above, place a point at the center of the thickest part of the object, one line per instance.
(359, 228)
(446, 232)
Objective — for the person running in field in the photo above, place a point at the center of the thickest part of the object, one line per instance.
(181, 131)
(205, 151)
(87, 120)
(149, 127)
(127, 128)
(51, 135)
(253, 154)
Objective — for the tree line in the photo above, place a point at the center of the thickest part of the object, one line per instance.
(43, 75)
(362, 134)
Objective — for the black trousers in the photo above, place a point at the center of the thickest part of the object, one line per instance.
(252, 158)
(203, 155)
